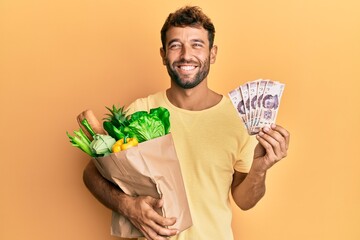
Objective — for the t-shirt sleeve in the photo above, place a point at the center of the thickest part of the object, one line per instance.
(246, 154)
(146, 103)
(138, 105)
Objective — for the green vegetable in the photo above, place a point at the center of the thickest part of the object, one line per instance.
(164, 115)
(101, 145)
(80, 140)
(145, 126)
(136, 115)
(113, 131)
(87, 126)
(141, 125)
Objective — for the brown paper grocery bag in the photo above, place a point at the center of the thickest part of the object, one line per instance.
(149, 169)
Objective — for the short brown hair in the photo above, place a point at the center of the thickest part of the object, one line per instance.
(188, 16)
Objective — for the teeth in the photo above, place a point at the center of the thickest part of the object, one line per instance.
(187, 68)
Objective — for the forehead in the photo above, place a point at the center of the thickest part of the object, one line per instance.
(187, 33)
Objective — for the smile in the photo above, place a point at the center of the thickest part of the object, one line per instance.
(187, 68)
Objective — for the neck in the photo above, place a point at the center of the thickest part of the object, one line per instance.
(194, 99)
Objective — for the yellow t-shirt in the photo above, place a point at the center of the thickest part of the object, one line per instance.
(210, 144)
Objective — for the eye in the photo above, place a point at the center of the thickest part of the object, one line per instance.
(197, 44)
(174, 46)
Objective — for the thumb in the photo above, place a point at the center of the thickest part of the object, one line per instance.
(155, 202)
(159, 203)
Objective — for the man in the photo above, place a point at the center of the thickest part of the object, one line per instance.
(215, 152)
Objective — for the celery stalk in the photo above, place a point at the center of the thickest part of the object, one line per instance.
(81, 141)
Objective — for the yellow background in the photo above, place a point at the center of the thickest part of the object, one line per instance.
(58, 58)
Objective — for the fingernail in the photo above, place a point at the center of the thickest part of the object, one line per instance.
(260, 134)
(266, 129)
(273, 126)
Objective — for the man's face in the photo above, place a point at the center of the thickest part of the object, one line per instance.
(187, 56)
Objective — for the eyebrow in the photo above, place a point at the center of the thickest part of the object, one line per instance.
(198, 41)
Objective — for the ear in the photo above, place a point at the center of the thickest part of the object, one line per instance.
(213, 52)
(163, 55)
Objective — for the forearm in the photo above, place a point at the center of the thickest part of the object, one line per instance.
(106, 192)
(272, 147)
(247, 193)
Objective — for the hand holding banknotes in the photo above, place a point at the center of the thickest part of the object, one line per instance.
(272, 147)
(257, 103)
(142, 213)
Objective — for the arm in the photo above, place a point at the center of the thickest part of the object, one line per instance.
(139, 210)
(104, 191)
(248, 189)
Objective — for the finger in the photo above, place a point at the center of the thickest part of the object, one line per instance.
(267, 134)
(158, 219)
(151, 201)
(165, 232)
(152, 235)
(157, 231)
(159, 203)
(283, 132)
(279, 138)
(148, 233)
(162, 221)
(266, 145)
(159, 223)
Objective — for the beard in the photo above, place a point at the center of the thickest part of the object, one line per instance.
(184, 81)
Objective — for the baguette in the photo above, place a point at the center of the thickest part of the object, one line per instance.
(93, 121)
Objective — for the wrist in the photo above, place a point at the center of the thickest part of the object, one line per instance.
(258, 168)
(257, 173)
(121, 201)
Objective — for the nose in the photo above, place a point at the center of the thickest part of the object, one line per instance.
(186, 52)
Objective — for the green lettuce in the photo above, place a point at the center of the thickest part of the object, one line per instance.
(148, 125)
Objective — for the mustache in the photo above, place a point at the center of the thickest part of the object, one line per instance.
(184, 61)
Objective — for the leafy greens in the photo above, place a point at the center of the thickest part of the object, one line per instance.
(148, 125)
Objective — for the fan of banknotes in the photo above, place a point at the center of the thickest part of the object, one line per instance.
(257, 103)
